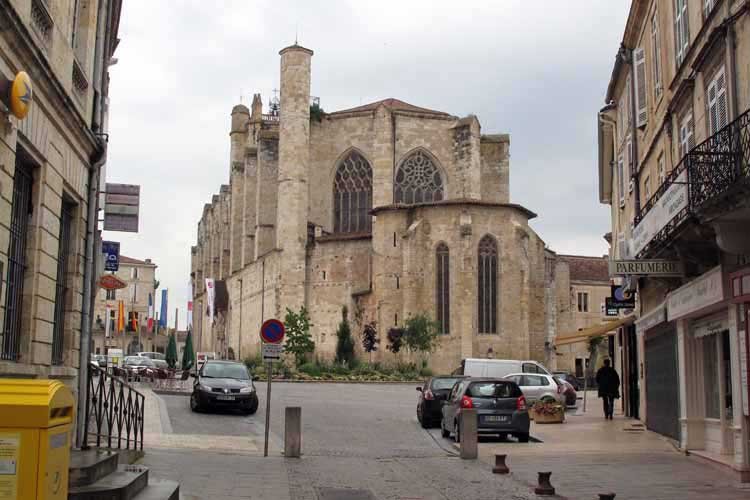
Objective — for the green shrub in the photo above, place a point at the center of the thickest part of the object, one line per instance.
(345, 342)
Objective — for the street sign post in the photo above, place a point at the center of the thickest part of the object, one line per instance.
(271, 334)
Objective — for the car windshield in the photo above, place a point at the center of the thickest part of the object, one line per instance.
(443, 383)
(138, 361)
(225, 370)
(493, 389)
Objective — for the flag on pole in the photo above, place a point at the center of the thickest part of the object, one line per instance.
(120, 317)
(134, 321)
(163, 315)
(150, 323)
(107, 333)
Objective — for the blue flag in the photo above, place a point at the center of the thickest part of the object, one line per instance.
(163, 315)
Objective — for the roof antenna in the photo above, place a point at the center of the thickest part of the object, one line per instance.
(240, 95)
(296, 32)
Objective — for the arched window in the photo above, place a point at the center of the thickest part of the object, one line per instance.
(417, 180)
(487, 285)
(352, 195)
(442, 288)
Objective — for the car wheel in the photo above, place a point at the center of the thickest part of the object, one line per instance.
(446, 434)
(252, 407)
(457, 433)
(194, 404)
(523, 437)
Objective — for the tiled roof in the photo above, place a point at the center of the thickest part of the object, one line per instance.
(587, 268)
(392, 104)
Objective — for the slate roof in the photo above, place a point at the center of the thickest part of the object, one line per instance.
(584, 268)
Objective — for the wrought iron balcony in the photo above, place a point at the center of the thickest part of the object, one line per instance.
(719, 168)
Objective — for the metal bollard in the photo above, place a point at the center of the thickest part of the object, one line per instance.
(606, 496)
(545, 487)
(500, 466)
(468, 430)
(292, 431)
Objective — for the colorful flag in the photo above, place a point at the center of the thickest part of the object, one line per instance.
(107, 333)
(134, 321)
(150, 323)
(120, 316)
(163, 315)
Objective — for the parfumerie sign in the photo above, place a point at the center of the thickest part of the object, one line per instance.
(672, 202)
(645, 268)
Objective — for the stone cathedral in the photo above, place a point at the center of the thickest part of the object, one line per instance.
(389, 209)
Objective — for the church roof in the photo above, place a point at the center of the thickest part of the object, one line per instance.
(587, 268)
(393, 105)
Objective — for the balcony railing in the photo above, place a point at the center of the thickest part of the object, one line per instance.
(720, 164)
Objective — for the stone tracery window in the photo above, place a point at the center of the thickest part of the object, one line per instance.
(417, 180)
(352, 195)
(442, 288)
(487, 285)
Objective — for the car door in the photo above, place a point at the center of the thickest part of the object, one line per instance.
(451, 406)
(531, 387)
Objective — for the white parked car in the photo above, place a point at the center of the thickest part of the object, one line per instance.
(479, 367)
(538, 387)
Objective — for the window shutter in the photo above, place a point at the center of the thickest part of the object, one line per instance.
(630, 165)
(629, 100)
(639, 56)
(621, 179)
(689, 132)
(681, 31)
(708, 5)
(722, 112)
(712, 108)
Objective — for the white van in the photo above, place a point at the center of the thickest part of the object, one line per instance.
(477, 367)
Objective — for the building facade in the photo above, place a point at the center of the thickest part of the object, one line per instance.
(49, 162)
(674, 154)
(135, 336)
(388, 209)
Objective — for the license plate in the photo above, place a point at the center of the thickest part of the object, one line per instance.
(225, 398)
(495, 418)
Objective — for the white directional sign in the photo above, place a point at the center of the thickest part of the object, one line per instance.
(646, 268)
(271, 352)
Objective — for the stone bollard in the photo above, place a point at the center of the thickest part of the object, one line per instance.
(468, 430)
(606, 496)
(292, 431)
(545, 487)
(500, 466)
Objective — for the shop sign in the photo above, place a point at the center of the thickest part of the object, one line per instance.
(121, 207)
(671, 203)
(651, 319)
(621, 298)
(702, 292)
(646, 268)
(710, 326)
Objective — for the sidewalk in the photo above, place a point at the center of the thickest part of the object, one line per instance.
(589, 455)
(157, 432)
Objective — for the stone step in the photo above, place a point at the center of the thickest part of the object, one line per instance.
(160, 490)
(88, 466)
(123, 484)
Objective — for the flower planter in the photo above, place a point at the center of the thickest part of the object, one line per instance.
(548, 415)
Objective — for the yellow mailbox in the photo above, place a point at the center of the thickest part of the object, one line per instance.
(35, 422)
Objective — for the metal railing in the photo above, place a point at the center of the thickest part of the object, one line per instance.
(720, 163)
(115, 410)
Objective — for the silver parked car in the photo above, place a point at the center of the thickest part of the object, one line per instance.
(500, 405)
(538, 387)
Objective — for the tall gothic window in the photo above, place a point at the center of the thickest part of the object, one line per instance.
(418, 180)
(487, 284)
(442, 288)
(352, 195)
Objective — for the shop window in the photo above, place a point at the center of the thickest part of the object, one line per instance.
(711, 376)
(726, 363)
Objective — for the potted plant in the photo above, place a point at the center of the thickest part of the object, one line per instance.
(547, 412)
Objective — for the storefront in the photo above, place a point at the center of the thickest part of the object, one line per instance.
(708, 345)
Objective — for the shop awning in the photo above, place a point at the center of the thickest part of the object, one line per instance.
(592, 331)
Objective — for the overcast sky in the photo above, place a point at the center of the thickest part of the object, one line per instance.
(535, 69)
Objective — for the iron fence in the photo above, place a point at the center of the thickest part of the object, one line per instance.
(720, 164)
(114, 411)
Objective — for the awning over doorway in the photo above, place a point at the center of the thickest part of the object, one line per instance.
(592, 331)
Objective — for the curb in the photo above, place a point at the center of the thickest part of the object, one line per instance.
(172, 392)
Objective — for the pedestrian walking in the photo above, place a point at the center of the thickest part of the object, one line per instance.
(609, 387)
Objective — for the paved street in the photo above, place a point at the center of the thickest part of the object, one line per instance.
(365, 437)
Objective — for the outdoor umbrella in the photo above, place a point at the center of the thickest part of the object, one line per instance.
(188, 356)
(171, 356)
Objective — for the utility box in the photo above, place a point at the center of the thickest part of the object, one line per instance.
(36, 417)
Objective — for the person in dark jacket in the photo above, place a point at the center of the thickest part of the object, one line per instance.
(609, 387)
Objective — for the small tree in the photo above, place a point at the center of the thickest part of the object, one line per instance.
(299, 342)
(421, 334)
(370, 339)
(395, 339)
(345, 343)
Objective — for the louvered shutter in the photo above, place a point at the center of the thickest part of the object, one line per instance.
(712, 115)
(689, 132)
(681, 31)
(722, 111)
(621, 179)
(629, 100)
(639, 56)
(630, 162)
(708, 5)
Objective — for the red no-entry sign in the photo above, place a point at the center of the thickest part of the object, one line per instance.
(272, 331)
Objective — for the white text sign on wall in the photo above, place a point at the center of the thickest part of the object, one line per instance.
(672, 202)
(702, 292)
(645, 268)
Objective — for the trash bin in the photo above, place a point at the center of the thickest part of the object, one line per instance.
(35, 422)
